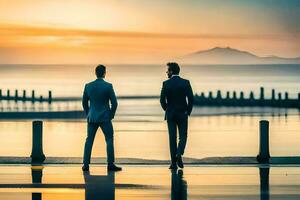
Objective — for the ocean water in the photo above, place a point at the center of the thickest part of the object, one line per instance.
(69, 80)
(140, 131)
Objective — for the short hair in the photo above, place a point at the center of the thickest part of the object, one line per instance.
(100, 71)
(174, 67)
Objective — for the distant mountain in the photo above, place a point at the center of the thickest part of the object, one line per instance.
(229, 55)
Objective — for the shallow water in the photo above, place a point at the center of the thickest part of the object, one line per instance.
(156, 182)
(140, 131)
(146, 137)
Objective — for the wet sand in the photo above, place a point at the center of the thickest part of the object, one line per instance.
(155, 182)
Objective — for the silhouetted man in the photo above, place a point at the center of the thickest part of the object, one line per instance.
(96, 100)
(177, 100)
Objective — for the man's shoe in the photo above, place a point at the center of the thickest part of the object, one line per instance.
(85, 168)
(113, 167)
(180, 162)
(173, 166)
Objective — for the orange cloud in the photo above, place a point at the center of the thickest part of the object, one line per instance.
(23, 30)
(36, 44)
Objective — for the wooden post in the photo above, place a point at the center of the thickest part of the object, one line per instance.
(219, 95)
(241, 101)
(24, 95)
(242, 95)
(279, 96)
(264, 153)
(273, 94)
(0, 94)
(299, 100)
(251, 97)
(37, 154)
(50, 97)
(234, 95)
(262, 93)
(227, 95)
(32, 96)
(202, 95)
(286, 94)
(210, 95)
(41, 98)
(203, 99)
(16, 95)
(8, 94)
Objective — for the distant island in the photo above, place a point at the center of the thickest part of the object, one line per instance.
(227, 55)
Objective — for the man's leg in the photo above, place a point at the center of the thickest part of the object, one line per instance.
(108, 132)
(91, 132)
(182, 129)
(172, 139)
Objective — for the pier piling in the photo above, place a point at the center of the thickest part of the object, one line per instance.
(227, 95)
(219, 95)
(202, 95)
(286, 96)
(32, 96)
(234, 95)
(279, 96)
(50, 97)
(24, 95)
(264, 153)
(262, 93)
(16, 95)
(273, 94)
(251, 96)
(210, 95)
(299, 100)
(37, 154)
(8, 94)
(242, 95)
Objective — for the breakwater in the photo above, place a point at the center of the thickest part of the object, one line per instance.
(241, 100)
(232, 99)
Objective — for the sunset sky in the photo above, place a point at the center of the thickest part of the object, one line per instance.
(142, 31)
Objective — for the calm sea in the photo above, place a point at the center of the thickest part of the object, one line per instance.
(140, 131)
(68, 80)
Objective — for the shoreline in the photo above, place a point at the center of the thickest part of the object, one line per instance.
(230, 160)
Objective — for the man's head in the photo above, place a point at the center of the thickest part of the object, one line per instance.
(100, 71)
(173, 69)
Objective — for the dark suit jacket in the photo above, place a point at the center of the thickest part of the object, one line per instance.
(96, 100)
(177, 97)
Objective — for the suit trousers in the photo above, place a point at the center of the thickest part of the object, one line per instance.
(182, 125)
(108, 132)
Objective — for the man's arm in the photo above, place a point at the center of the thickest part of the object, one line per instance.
(163, 101)
(85, 101)
(113, 101)
(190, 97)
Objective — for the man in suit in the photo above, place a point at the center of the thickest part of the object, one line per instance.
(177, 101)
(96, 100)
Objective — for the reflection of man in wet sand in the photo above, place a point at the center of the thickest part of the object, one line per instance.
(99, 186)
(179, 186)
